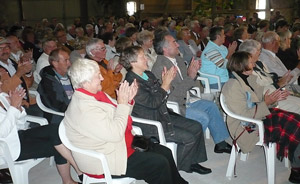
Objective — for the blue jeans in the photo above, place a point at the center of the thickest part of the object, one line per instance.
(207, 113)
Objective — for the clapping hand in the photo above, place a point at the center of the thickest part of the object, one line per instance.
(275, 96)
(167, 77)
(15, 97)
(126, 93)
(194, 67)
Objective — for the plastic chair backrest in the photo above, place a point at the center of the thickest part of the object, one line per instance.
(44, 108)
(107, 176)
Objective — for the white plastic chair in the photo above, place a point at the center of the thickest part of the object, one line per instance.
(269, 149)
(161, 135)
(19, 169)
(206, 85)
(175, 107)
(86, 179)
(44, 108)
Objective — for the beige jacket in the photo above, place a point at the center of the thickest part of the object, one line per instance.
(98, 126)
(235, 93)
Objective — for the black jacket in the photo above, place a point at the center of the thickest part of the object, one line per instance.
(52, 94)
(150, 103)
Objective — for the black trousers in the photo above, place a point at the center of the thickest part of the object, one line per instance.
(189, 138)
(39, 142)
(156, 166)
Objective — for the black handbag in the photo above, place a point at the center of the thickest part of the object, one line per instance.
(142, 144)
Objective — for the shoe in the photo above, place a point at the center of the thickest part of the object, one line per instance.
(200, 169)
(294, 177)
(5, 176)
(226, 149)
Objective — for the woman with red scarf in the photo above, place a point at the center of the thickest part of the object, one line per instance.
(97, 122)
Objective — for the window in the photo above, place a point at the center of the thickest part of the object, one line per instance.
(261, 5)
(131, 7)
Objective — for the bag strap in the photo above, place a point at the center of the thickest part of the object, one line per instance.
(234, 142)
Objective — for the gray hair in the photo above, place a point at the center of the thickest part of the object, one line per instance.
(92, 44)
(192, 24)
(269, 36)
(82, 71)
(144, 36)
(159, 41)
(249, 46)
(129, 55)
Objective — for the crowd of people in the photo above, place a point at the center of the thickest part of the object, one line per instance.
(101, 73)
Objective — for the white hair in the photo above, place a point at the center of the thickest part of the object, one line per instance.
(250, 46)
(82, 71)
(92, 44)
(269, 36)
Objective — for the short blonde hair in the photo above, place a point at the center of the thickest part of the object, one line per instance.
(144, 36)
(82, 71)
(180, 33)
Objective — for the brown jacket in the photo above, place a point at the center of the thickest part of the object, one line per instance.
(111, 81)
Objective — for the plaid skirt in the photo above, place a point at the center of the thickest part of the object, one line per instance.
(283, 128)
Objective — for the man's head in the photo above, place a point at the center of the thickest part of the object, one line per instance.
(59, 60)
(49, 45)
(4, 50)
(61, 36)
(96, 49)
(281, 26)
(14, 43)
(271, 41)
(165, 44)
(195, 26)
(217, 35)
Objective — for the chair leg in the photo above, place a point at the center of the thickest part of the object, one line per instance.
(286, 162)
(207, 134)
(231, 163)
(21, 177)
(244, 156)
(51, 162)
(270, 162)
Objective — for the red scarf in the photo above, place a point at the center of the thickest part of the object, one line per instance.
(101, 96)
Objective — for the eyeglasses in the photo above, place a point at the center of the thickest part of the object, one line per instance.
(100, 48)
(4, 48)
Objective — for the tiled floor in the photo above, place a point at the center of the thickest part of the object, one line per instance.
(253, 171)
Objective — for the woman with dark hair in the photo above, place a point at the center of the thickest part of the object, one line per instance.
(245, 97)
(150, 103)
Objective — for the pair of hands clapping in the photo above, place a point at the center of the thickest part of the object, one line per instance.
(15, 97)
(275, 96)
(126, 92)
(167, 77)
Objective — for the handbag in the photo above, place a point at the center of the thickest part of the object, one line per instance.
(142, 144)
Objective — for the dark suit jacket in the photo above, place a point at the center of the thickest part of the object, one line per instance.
(179, 87)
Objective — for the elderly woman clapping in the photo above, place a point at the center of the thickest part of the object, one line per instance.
(245, 97)
(95, 121)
